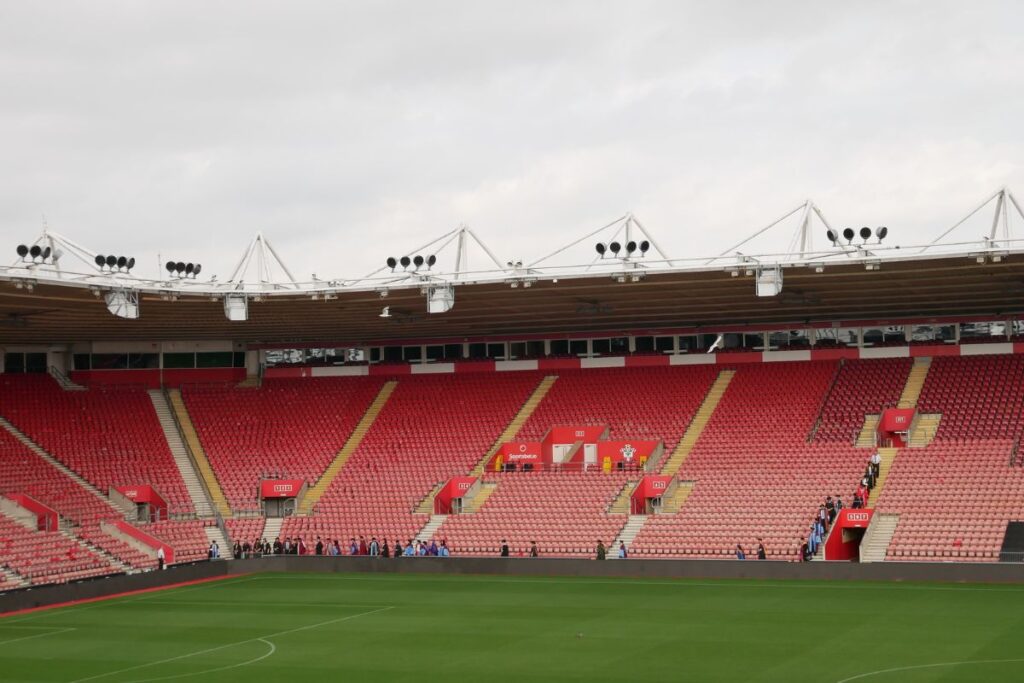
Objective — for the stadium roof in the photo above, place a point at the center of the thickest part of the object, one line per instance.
(48, 303)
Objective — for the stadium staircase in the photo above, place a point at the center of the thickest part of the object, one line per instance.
(193, 484)
(476, 502)
(924, 429)
(674, 501)
(517, 422)
(868, 436)
(316, 491)
(698, 423)
(215, 533)
(272, 529)
(915, 383)
(430, 528)
(888, 456)
(628, 533)
(64, 381)
(115, 562)
(621, 504)
(876, 539)
(11, 579)
(191, 439)
(45, 455)
(426, 506)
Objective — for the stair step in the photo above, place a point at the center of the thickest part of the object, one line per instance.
(200, 501)
(190, 440)
(699, 422)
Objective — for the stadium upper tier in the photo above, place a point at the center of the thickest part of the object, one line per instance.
(749, 452)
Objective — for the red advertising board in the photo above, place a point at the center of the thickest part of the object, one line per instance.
(455, 488)
(573, 433)
(280, 488)
(843, 542)
(46, 516)
(651, 486)
(896, 419)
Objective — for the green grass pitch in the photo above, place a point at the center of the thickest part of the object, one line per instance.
(365, 627)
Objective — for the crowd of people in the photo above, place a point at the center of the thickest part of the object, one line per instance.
(334, 547)
(741, 553)
(829, 510)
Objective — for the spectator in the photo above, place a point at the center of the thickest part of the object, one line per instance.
(398, 548)
(761, 553)
(839, 504)
(533, 549)
(159, 557)
(409, 550)
(504, 548)
(363, 550)
(432, 550)
(805, 550)
(601, 552)
(876, 464)
(212, 553)
(353, 547)
(830, 508)
(236, 550)
(300, 546)
(319, 549)
(278, 547)
(443, 550)
(622, 550)
(374, 547)
(385, 552)
(740, 555)
(246, 549)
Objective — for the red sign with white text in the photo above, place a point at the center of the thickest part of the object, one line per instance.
(144, 493)
(573, 433)
(280, 488)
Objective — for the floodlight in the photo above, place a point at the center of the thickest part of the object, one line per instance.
(169, 266)
(614, 247)
(111, 261)
(131, 263)
(431, 260)
(189, 267)
(630, 247)
(22, 250)
(865, 233)
(180, 267)
(195, 272)
(100, 261)
(417, 261)
(833, 236)
(644, 246)
(121, 262)
(600, 248)
(405, 261)
(46, 253)
(848, 233)
(392, 262)
(35, 252)
(881, 232)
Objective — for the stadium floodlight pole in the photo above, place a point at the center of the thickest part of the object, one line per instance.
(630, 218)
(807, 207)
(55, 240)
(265, 255)
(572, 244)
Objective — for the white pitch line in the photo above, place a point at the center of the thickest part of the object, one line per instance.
(240, 642)
(929, 666)
(273, 649)
(38, 635)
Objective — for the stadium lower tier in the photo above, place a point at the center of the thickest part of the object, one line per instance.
(754, 451)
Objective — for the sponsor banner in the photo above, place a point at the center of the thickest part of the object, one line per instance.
(563, 434)
(280, 488)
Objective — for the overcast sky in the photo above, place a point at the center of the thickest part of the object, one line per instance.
(348, 132)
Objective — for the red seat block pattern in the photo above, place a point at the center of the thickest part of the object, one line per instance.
(862, 387)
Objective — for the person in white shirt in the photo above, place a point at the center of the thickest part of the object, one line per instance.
(160, 557)
(876, 463)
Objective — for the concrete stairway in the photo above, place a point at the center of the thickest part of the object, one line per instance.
(915, 382)
(869, 432)
(215, 533)
(626, 535)
(620, 506)
(924, 429)
(45, 455)
(191, 439)
(888, 456)
(430, 528)
(64, 381)
(272, 528)
(877, 538)
(699, 422)
(200, 502)
(318, 489)
(426, 506)
(671, 504)
(14, 577)
(476, 502)
(517, 422)
(115, 562)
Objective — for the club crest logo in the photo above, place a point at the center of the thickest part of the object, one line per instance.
(627, 452)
